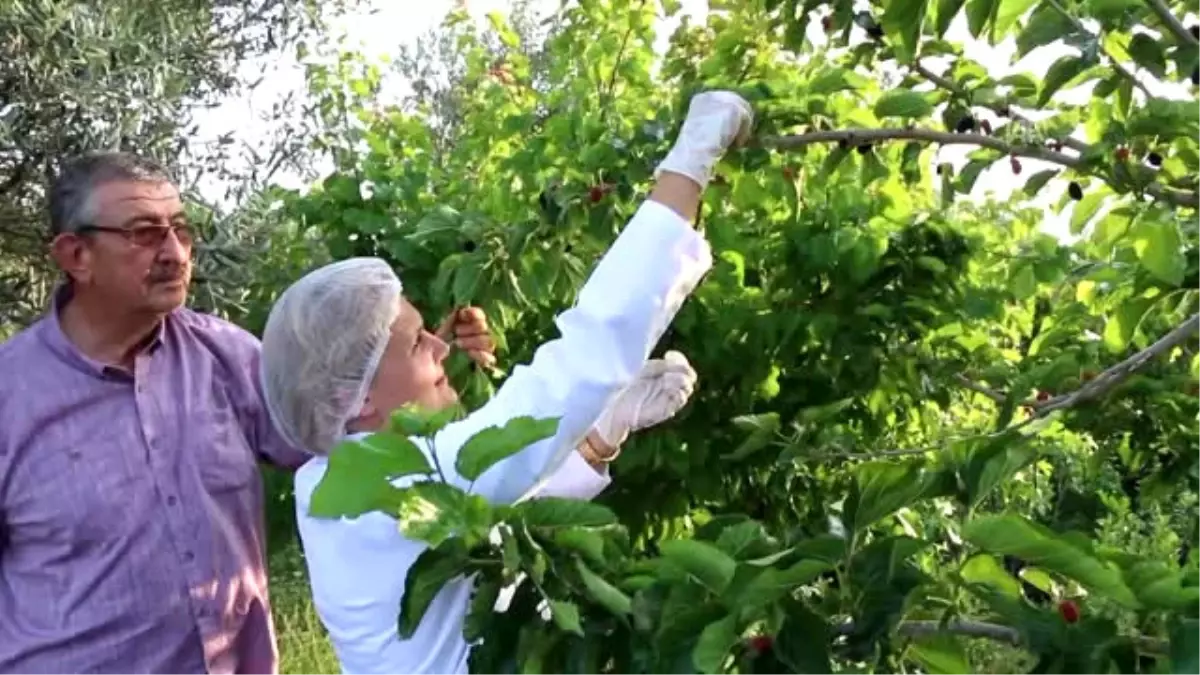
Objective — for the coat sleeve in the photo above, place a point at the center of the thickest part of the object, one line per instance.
(622, 311)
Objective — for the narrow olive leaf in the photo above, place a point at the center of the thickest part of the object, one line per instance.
(708, 564)
(431, 571)
(604, 593)
(566, 616)
(494, 444)
(563, 512)
(712, 648)
(903, 103)
(1014, 535)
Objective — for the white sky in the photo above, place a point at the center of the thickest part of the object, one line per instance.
(381, 29)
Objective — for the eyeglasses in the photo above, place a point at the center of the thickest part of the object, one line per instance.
(148, 236)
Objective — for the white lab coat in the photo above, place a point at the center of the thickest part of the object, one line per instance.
(357, 567)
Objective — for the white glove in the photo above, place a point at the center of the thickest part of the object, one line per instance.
(659, 391)
(715, 120)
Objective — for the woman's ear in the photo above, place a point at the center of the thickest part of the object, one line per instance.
(363, 420)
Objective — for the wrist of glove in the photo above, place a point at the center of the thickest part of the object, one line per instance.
(715, 121)
(658, 392)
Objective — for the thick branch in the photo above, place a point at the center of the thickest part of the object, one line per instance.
(1110, 378)
(857, 136)
(981, 629)
(1173, 24)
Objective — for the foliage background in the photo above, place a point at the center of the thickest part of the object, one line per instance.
(889, 333)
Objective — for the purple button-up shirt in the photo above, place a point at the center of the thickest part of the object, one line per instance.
(131, 523)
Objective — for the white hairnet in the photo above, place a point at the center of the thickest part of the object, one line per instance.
(322, 345)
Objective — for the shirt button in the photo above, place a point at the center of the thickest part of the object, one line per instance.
(188, 556)
(171, 500)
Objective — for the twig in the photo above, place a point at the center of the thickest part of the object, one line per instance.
(853, 136)
(996, 396)
(1173, 24)
(1110, 378)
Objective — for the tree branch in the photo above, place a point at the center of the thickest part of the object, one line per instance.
(1173, 24)
(981, 629)
(1110, 378)
(856, 136)
(963, 380)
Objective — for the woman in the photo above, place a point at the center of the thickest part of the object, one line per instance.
(343, 349)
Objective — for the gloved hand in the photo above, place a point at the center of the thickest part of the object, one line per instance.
(715, 120)
(659, 391)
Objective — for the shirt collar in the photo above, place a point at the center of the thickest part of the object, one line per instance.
(53, 336)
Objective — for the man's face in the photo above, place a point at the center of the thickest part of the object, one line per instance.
(135, 254)
(410, 371)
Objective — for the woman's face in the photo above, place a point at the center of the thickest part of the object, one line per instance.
(410, 372)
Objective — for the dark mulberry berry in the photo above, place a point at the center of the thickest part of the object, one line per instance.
(864, 148)
(468, 246)
(965, 124)
(1154, 158)
(1075, 191)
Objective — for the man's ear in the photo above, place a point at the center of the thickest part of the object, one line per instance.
(71, 256)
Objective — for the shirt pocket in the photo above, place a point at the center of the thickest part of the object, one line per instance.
(222, 452)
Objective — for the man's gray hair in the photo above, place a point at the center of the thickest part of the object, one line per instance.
(71, 192)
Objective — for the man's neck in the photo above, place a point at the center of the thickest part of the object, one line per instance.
(108, 337)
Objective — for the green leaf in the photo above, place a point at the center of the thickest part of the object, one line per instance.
(903, 103)
(482, 609)
(1059, 73)
(588, 543)
(1121, 324)
(746, 540)
(1014, 535)
(432, 511)
(941, 655)
(466, 279)
(564, 512)
(708, 564)
(979, 12)
(1037, 181)
(983, 568)
(1008, 14)
(1160, 250)
(604, 593)
(881, 488)
(495, 444)
(1148, 53)
(762, 430)
(357, 478)
(712, 648)
(902, 21)
(946, 11)
(412, 420)
(803, 640)
(1185, 645)
(432, 569)
(1045, 25)
(566, 616)
(774, 584)
(834, 80)
(1085, 209)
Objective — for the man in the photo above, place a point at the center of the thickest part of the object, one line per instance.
(131, 521)
(343, 349)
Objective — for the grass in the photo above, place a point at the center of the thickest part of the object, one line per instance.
(303, 645)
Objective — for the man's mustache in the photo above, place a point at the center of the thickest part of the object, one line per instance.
(168, 274)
